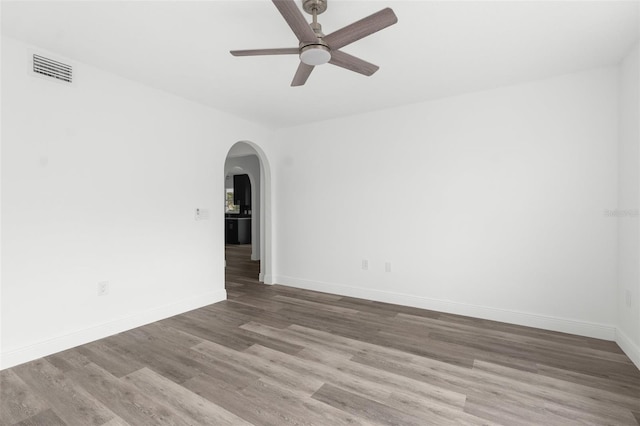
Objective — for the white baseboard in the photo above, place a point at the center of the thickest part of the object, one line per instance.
(60, 343)
(631, 349)
(564, 325)
(267, 279)
(80, 337)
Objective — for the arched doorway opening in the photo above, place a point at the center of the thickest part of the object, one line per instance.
(247, 159)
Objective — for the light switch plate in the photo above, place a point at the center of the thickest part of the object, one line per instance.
(201, 214)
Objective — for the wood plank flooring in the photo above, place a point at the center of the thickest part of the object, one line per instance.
(273, 355)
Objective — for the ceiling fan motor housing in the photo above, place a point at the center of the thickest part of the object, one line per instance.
(317, 53)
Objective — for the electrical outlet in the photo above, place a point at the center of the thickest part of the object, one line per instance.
(387, 267)
(627, 297)
(103, 288)
(365, 264)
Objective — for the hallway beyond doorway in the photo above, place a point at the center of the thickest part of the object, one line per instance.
(240, 268)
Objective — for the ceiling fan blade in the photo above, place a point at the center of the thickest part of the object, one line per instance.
(361, 28)
(352, 63)
(258, 52)
(290, 12)
(302, 74)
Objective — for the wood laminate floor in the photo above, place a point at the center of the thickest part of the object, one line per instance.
(273, 355)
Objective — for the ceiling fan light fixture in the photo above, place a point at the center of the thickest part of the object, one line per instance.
(315, 54)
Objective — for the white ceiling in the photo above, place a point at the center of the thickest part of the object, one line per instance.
(437, 49)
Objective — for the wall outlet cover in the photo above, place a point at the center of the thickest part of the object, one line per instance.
(103, 288)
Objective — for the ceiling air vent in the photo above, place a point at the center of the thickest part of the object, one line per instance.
(50, 68)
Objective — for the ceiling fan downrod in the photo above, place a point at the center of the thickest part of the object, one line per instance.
(314, 8)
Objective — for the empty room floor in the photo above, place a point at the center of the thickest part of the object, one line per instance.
(278, 355)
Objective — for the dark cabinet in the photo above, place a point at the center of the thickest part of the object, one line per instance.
(242, 191)
(238, 230)
(238, 226)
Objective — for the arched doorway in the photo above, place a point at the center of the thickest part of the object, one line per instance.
(246, 158)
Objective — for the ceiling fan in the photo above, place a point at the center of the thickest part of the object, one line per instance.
(315, 48)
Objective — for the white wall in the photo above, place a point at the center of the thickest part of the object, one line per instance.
(1, 118)
(628, 196)
(100, 182)
(249, 165)
(489, 204)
